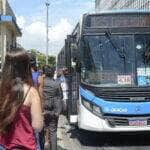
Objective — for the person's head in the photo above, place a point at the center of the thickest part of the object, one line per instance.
(15, 73)
(65, 71)
(17, 65)
(34, 68)
(40, 72)
(59, 73)
(33, 62)
(49, 71)
(32, 59)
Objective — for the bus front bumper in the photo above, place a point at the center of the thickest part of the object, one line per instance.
(88, 121)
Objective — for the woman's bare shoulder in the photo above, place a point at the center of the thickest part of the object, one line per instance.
(32, 95)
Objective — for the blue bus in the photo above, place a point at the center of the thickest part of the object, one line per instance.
(108, 58)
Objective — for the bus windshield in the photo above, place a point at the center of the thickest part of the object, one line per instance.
(116, 60)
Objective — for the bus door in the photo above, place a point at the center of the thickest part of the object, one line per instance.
(73, 81)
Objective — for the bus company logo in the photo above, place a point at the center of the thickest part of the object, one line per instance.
(116, 110)
(137, 109)
(119, 110)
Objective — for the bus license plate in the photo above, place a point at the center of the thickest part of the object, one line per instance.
(137, 122)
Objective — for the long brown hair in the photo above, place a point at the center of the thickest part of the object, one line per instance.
(16, 72)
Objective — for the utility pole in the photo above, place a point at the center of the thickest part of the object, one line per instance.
(47, 19)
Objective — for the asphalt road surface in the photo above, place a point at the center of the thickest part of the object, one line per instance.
(74, 139)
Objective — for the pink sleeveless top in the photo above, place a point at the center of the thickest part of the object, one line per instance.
(21, 134)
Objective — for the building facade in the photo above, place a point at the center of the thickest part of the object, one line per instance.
(104, 5)
(9, 29)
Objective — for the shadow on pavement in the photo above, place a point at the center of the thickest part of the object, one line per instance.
(60, 148)
(87, 138)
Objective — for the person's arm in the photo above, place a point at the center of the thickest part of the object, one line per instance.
(41, 87)
(36, 110)
(58, 102)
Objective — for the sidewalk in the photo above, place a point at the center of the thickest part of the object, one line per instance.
(65, 142)
(61, 133)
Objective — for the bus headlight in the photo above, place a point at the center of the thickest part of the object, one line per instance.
(96, 109)
(87, 104)
(92, 107)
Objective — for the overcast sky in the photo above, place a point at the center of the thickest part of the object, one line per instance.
(63, 16)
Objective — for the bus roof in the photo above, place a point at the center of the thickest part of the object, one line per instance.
(123, 11)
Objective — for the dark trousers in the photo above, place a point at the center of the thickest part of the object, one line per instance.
(53, 133)
(51, 122)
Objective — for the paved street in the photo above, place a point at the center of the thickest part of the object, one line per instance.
(74, 139)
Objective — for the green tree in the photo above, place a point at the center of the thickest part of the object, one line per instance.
(32, 51)
(41, 58)
(52, 61)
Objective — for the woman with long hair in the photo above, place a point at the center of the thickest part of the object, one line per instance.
(20, 105)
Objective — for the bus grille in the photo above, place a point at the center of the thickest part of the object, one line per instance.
(120, 121)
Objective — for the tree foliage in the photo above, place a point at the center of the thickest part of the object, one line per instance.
(41, 58)
(51, 61)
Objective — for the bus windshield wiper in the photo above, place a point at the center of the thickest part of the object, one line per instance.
(115, 45)
(120, 51)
